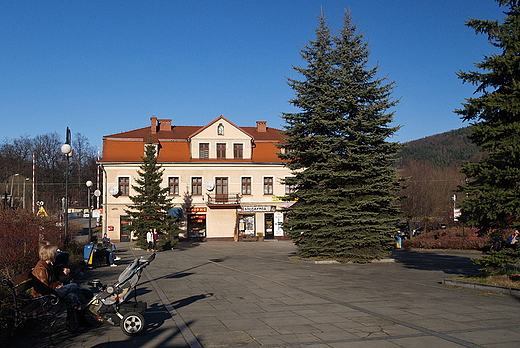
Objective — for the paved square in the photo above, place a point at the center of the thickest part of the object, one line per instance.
(225, 294)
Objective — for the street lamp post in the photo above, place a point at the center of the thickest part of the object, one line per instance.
(12, 184)
(89, 185)
(26, 179)
(66, 149)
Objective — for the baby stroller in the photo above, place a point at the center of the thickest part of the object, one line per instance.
(110, 303)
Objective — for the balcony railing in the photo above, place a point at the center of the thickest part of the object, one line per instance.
(224, 200)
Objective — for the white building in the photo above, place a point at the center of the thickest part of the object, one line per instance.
(224, 180)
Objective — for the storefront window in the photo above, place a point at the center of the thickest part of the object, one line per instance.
(246, 225)
(197, 225)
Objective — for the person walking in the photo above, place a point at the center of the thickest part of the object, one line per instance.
(150, 240)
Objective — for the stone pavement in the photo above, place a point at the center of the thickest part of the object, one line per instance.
(252, 294)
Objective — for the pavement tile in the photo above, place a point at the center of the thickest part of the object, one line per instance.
(423, 341)
(486, 337)
(226, 340)
(249, 295)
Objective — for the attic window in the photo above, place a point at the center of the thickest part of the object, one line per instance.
(220, 129)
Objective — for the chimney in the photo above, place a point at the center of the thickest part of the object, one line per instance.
(153, 126)
(261, 126)
(165, 125)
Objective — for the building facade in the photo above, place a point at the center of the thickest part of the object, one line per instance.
(225, 181)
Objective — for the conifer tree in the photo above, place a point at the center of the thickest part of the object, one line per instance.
(344, 180)
(493, 188)
(151, 203)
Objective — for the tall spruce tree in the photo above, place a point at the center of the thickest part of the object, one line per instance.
(151, 203)
(493, 190)
(344, 179)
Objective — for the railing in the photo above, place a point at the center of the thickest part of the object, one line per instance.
(223, 199)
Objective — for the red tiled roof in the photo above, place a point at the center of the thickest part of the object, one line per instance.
(129, 146)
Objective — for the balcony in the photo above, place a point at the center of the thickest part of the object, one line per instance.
(216, 201)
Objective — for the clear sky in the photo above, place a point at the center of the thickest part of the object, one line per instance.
(104, 67)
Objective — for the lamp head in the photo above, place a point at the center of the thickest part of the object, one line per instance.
(66, 149)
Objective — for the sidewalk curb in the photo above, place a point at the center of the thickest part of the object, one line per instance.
(334, 262)
(496, 289)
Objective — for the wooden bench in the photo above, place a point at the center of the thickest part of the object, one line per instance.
(43, 308)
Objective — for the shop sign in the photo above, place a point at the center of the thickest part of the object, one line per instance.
(197, 210)
(257, 208)
(278, 220)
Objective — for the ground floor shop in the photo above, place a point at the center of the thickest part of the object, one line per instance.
(202, 222)
(264, 221)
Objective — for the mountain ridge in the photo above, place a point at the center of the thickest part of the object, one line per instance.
(448, 149)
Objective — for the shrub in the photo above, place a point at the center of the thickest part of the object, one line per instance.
(505, 261)
(450, 238)
(20, 231)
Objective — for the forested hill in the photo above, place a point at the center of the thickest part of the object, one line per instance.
(448, 149)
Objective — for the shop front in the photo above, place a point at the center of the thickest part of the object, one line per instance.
(259, 221)
(196, 222)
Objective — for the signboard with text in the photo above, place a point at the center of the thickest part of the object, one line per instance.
(256, 208)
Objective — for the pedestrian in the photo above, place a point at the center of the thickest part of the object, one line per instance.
(155, 239)
(150, 240)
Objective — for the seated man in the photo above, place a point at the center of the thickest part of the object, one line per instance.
(92, 250)
(107, 243)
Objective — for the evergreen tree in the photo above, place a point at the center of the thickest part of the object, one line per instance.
(151, 203)
(344, 180)
(493, 191)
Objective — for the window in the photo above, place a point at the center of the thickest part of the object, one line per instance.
(238, 151)
(173, 184)
(124, 185)
(268, 185)
(246, 185)
(220, 129)
(204, 150)
(221, 186)
(196, 186)
(289, 189)
(221, 150)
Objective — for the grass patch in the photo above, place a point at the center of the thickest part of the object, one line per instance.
(512, 281)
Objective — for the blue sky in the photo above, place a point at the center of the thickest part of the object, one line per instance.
(104, 67)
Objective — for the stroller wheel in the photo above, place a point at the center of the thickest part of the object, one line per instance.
(72, 321)
(133, 323)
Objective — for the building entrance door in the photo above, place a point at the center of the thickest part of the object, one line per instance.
(269, 222)
(124, 230)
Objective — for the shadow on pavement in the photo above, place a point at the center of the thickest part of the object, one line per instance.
(189, 300)
(161, 338)
(183, 245)
(434, 261)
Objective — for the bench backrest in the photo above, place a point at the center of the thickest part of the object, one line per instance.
(22, 283)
